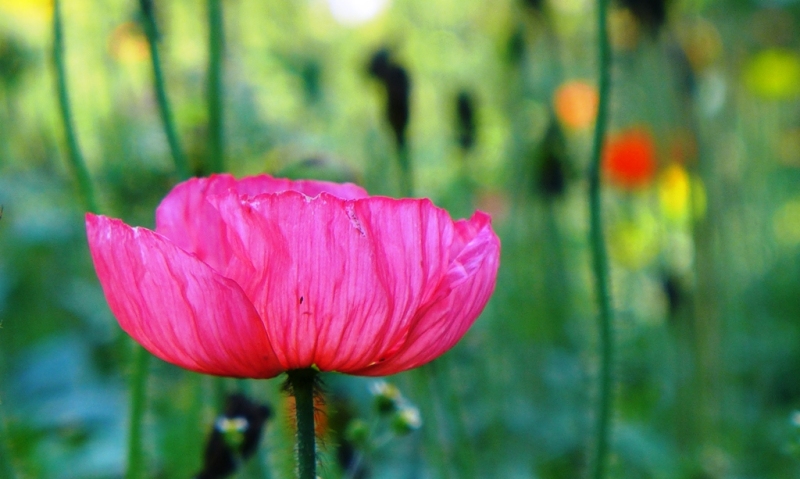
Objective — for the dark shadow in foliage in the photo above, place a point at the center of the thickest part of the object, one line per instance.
(235, 437)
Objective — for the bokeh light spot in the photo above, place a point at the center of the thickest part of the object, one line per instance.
(355, 12)
(575, 103)
(774, 74)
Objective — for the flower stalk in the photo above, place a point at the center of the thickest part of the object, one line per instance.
(216, 47)
(406, 172)
(76, 161)
(599, 256)
(301, 384)
(138, 385)
(6, 467)
(151, 31)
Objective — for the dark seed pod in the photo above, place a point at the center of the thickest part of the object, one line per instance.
(515, 47)
(465, 111)
(535, 5)
(651, 14)
(235, 436)
(15, 60)
(673, 292)
(551, 177)
(398, 91)
(147, 8)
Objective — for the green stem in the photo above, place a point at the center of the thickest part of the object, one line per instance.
(6, 467)
(599, 258)
(216, 47)
(406, 171)
(138, 385)
(301, 384)
(76, 160)
(150, 29)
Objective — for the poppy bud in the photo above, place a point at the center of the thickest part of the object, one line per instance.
(406, 420)
(15, 59)
(535, 5)
(235, 436)
(673, 292)
(147, 8)
(465, 111)
(515, 48)
(357, 432)
(651, 14)
(550, 177)
(387, 396)
(398, 91)
(629, 158)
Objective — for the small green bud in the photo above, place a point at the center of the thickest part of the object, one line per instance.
(406, 420)
(795, 419)
(357, 432)
(387, 396)
(232, 429)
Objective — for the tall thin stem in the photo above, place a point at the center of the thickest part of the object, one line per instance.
(406, 171)
(151, 31)
(138, 385)
(76, 161)
(301, 384)
(599, 258)
(6, 467)
(216, 48)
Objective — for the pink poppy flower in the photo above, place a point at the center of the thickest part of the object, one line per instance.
(253, 277)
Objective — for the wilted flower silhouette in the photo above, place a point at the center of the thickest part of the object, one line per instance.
(253, 277)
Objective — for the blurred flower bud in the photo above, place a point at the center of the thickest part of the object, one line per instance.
(128, 43)
(232, 430)
(235, 436)
(535, 5)
(550, 176)
(15, 60)
(357, 433)
(673, 292)
(795, 419)
(398, 91)
(515, 48)
(465, 111)
(629, 158)
(406, 420)
(387, 397)
(651, 14)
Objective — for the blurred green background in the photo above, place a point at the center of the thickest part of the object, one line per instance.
(702, 220)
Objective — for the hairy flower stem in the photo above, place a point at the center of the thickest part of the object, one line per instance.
(151, 31)
(216, 47)
(301, 383)
(141, 360)
(76, 161)
(599, 258)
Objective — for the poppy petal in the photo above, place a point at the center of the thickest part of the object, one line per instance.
(470, 282)
(176, 306)
(337, 282)
(188, 220)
